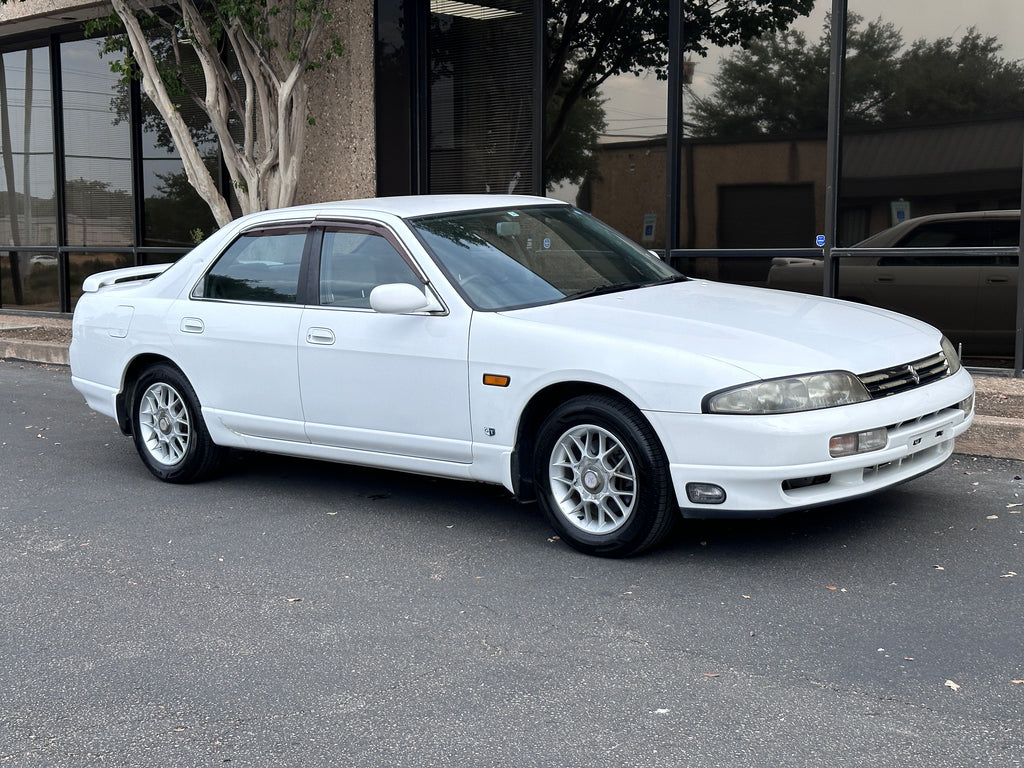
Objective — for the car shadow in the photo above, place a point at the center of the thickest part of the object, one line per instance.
(409, 496)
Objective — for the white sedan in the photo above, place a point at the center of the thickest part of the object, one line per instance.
(518, 341)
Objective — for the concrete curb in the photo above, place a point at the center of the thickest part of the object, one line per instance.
(47, 352)
(997, 436)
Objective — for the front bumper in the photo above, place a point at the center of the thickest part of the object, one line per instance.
(769, 465)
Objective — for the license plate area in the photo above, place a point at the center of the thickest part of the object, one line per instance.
(921, 440)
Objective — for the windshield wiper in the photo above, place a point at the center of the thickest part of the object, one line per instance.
(603, 289)
(600, 290)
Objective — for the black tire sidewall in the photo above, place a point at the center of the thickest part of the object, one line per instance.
(647, 523)
(198, 454)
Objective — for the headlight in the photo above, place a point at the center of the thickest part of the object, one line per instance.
(796, 393)
(952, 358)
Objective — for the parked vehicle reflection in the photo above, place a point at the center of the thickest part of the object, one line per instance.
(944, 269)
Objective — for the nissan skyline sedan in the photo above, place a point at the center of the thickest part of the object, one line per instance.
(516, 341)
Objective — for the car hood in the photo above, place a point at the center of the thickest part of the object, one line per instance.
(766, 333)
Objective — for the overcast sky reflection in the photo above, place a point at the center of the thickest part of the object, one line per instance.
(636, 106)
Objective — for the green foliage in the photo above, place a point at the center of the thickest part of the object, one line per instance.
(779, 84)
(233, 72)
(575, 159)
(589, 41)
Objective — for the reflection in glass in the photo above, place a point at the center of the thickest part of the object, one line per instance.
(98, 190)
(27, 210)
(754, 156)
(481, 97)
(29, 280)
(81, 265)
(932, 136)
(934, 119)
(174, 214)
(605, 112)
(746, 183)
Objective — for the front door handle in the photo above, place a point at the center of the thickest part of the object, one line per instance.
(322, 336)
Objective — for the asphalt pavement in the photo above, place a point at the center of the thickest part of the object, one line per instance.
(998, 429)
(302, 613)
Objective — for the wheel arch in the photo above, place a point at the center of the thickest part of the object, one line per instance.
(536, 411)
(132, 372)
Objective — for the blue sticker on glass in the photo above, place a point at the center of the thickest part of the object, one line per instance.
(820, 241)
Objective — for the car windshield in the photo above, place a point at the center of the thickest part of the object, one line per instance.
(509, 258)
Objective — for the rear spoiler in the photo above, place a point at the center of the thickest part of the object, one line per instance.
(100, 280)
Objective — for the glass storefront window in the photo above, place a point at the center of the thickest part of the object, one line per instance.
(29, 280)
(754, 152)
(174, 214)
(934, 118)
(27, 211)
(481, 97)
(27, 201)
(102, 206)
(605, 146)
(97, 140)
(81, 265)
(933, 131)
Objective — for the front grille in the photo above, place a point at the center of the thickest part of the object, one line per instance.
(901, 378)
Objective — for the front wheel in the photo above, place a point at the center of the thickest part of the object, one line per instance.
(168, 428)
(602, 477)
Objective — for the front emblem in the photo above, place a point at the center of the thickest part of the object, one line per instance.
(913, 374)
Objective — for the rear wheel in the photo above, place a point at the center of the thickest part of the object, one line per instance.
(602, 477)
(168, 427)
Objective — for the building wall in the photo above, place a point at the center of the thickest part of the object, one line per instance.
(339, 161)
(755, 163)
(632, 183)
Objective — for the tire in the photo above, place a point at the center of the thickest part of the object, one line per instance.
(602, 478)
(168, 427)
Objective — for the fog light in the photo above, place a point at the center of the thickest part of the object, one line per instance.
(704, 493)
(858, 442)
(967, 405)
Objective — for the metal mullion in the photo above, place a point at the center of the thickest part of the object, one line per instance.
(832, 161)
(537, 134)
(675, 124)
(1018, 338)
(59, 174)
(138, 177)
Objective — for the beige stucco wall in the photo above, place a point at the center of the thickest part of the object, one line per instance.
(19, 16)
(340, 161)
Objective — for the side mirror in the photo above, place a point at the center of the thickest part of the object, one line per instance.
(400, 299)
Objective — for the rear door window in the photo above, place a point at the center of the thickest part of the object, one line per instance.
(261, 266)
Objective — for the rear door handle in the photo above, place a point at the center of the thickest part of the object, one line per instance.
(192, 325)
(322, 336)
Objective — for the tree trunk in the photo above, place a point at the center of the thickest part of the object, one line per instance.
(152, 83)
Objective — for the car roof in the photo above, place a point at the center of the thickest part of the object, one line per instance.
(892, 234)
(414, 205)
